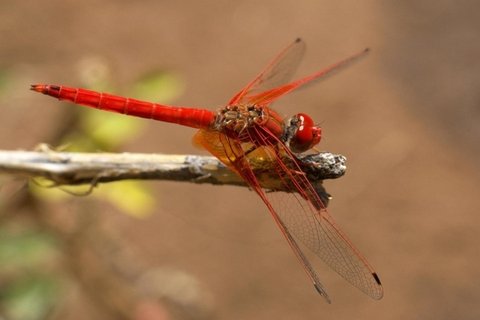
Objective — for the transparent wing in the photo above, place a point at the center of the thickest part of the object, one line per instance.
(271, 84)
(232, 154)
(268, 96)
(299, 212)
(279, 71)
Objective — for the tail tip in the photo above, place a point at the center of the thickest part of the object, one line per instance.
(48, 89)
(39, 88)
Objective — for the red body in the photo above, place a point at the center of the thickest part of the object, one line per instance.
(191, 117)
(246, 128)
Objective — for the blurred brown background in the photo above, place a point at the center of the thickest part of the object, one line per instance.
(406, 117)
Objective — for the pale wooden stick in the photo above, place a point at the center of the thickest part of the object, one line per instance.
(70, 168)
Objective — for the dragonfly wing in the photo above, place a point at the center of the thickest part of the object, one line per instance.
(231, 153)
(298, 210)
(268, 96)
(306, 217)
(317, 230)
(277, 72)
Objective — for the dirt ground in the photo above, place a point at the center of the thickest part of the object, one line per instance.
(406, 118)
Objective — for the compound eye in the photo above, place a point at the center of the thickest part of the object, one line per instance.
(307, 135)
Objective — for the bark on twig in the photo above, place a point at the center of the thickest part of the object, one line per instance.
(69, 168)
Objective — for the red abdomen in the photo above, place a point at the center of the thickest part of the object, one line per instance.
(191, 117)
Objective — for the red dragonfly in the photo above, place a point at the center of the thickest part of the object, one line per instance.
(248, 130)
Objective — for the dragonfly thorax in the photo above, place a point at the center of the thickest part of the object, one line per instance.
(236, 119)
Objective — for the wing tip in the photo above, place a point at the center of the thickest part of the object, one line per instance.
(379, 292)
(322, 292)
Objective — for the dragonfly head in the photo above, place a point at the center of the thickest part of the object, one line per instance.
(307, 134)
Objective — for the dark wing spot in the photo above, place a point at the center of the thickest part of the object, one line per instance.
(375, 276)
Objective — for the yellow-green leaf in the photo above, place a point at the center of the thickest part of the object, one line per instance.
(132, 197)
(158, 86)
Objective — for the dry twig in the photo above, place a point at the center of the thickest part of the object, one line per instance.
(69, 168)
